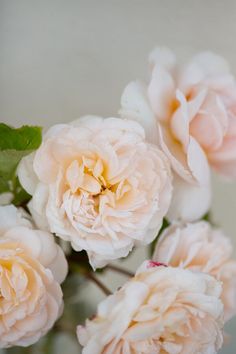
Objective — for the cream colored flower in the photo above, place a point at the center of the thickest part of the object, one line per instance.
(202, 248)
(161, 310)
(32, 266)
(97, 183)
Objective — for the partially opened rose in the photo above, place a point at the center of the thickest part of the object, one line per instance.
(197, 116)
(199, 247)
(190, 112)
(97, 183)
(160, 310)
(32, 266)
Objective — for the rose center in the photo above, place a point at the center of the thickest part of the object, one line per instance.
(87, 175)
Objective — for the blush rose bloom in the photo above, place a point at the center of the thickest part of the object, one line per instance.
(32, 266)
(199, 247)
(97, 183)
(160, 310)
(190, 111)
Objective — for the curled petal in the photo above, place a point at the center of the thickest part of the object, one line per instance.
(161, 92)
(135, 106)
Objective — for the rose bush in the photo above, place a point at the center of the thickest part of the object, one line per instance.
(160, 310)
(32, 266)
(106, 186)
(97, 183)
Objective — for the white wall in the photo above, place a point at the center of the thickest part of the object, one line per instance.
(66, 58)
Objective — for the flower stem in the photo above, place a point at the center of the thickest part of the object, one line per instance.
(100, 285)
(120, 270)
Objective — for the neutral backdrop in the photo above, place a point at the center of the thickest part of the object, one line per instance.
(66, 58)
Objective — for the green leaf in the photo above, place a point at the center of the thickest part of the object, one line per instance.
(4, 187)
(21, 197)
(9, 160)
(14, 145)
(24, 138)
(207, 217)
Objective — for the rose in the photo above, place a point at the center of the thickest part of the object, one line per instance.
(160, 310)
(32, 266)
(192, 197)
(190, 112)
(197, 118)
(97, 183)
(201, 248)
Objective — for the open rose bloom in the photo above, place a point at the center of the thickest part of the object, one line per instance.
(160, 310)
(97, 183)
(32, 266)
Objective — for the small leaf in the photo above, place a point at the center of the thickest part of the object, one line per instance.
(21, 197)
(9, 160)
(14, 145)
(4, 187)
(24, 138)
(207, 217)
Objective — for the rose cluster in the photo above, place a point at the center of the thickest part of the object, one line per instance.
(105, 185)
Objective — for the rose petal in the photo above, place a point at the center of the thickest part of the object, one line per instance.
(135, 106)
(189, 202)
(161, 92)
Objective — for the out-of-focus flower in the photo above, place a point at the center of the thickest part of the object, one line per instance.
(199, 247)
(97, 183)
(160, 310)
(190, 111)
(32, 266)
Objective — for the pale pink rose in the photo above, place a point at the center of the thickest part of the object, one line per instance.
(191, 199)
(202, 248)
(197, 116)
(160, 310)
(190, 112)
(97, 183)
(32, 267)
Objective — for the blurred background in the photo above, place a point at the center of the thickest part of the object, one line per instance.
(62, 59)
